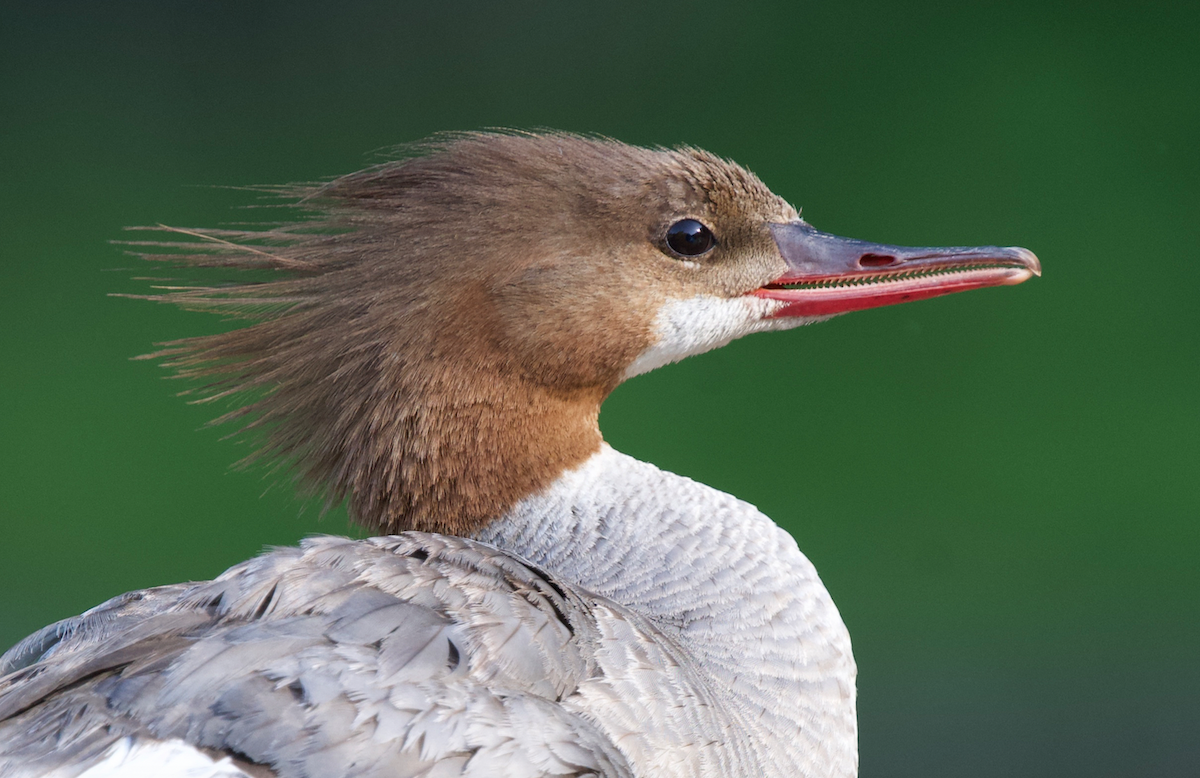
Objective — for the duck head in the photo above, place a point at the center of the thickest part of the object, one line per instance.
(437, 341)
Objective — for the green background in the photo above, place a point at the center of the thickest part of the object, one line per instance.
(1000, 488)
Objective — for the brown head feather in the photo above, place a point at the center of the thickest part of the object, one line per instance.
(436, 343)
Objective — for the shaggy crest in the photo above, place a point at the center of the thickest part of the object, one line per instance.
(386, 362)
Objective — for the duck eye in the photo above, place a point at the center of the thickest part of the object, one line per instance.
(689, 238)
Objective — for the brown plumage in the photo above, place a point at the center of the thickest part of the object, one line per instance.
(432, 348)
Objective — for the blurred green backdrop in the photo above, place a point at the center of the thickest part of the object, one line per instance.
(1000, 489)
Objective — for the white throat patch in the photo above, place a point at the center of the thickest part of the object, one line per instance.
(693, 325)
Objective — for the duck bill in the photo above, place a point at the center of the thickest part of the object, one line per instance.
(828, 275)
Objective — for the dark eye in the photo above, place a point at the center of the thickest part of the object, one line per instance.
(689, 238)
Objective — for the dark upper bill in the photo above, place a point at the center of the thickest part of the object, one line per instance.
(827, 274)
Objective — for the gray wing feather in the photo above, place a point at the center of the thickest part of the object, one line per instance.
(414, 655)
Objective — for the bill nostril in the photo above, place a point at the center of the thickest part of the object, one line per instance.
(876, 260)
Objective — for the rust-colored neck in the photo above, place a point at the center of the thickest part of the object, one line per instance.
(452, 461)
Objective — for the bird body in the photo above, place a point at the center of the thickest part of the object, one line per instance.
(436, 354)
(532, 651)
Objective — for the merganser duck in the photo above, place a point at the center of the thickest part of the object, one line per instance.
(434, 349)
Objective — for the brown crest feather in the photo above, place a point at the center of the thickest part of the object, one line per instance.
(426, 346)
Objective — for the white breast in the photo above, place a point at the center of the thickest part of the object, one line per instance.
(724, 582)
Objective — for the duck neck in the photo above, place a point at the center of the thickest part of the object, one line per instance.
(719, 577)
